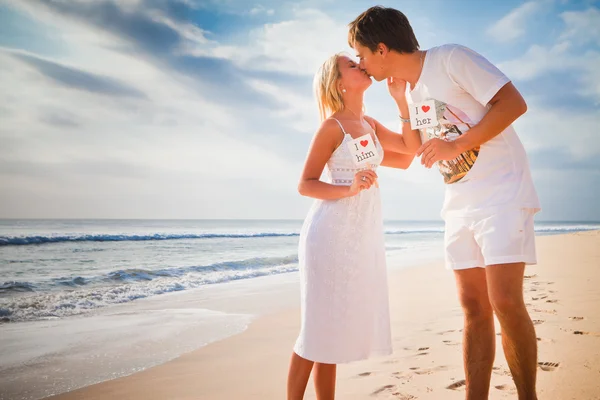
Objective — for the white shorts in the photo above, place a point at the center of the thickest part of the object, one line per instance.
(503, 237)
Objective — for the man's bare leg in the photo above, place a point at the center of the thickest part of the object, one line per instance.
(479, 342)
(505, 287)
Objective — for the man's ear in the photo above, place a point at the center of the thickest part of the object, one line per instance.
(382, 49)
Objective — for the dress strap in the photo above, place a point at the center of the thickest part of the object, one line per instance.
(340, 124)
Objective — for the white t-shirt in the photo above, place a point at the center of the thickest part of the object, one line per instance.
(482, 180)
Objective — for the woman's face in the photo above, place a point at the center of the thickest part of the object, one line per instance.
(353, 79)
(371, 62)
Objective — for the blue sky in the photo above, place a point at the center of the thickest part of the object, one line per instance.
(203, 109)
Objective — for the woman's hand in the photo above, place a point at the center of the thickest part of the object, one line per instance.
(362, 180)
(397, 88)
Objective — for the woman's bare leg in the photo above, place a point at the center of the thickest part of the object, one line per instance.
(324, 378)
(298, 375)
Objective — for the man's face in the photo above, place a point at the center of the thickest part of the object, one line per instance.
(371, 62)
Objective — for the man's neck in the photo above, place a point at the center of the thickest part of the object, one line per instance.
(407, 66)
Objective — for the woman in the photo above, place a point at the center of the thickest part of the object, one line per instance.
(345, 315)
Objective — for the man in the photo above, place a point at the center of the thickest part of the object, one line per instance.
(465, 107)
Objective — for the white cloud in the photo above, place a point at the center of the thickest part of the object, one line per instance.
(167, 131)
(261, 10)
(174, 154)
(187, 31)
(574, 53)
(514, 24)
(582, 27)
(539, 60)
(300, 111)
(543, 128)
(296, 46)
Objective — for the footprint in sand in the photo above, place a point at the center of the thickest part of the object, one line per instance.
(579, 332)
(430, 371)
(544, 340)
(542, 283)
(422, 351)
(544, 311)
(392, 389)
(446, 332)
(382, 389)
(506, 388)
(501, 371)
(530, 276)
(403, 396)
(586, 333)
(404, 377)
(575, 318)
(364, 374)
(548, 366)
(551, 301)
(457, 385)
(451, 343)
(538, 321)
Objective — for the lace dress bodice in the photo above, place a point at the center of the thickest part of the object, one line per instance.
(341, 168)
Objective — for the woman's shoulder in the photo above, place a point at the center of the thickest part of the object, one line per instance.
(331, 125)
(330, 131)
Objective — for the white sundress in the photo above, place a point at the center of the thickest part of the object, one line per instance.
(343, 277)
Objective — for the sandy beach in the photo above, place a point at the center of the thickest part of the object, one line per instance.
(562, 294)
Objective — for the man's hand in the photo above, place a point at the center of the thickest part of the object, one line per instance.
(437, 149)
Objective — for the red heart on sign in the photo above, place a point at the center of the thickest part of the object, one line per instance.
(364, 143)
(425, 108)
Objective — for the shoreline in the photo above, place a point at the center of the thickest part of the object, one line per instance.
(114, 342)
(426, 324)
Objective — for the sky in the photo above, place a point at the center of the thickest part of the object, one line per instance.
(204, 108)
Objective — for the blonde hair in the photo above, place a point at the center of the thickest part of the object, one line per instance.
(329, 97)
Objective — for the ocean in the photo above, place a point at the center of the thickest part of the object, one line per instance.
(61, 268)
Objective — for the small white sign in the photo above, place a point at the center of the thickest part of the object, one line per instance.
(363, 150)
(423, 115)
